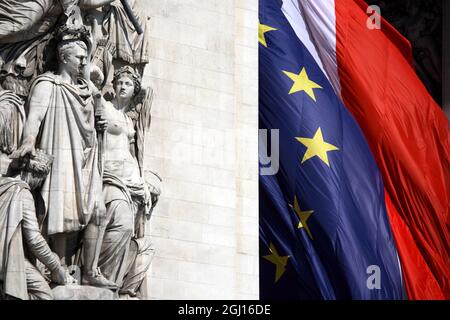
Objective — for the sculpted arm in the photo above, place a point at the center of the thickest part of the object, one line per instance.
(36, 243)
(34, 240)
(38, 106)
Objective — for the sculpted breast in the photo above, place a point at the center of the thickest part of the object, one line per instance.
(115, 127)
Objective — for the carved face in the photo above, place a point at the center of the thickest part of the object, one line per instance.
(74, 60)
(125, 88)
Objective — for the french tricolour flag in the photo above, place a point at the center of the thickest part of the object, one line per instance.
(372, 70)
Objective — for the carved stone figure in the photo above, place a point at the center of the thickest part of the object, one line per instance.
(26, 30)
(125, 190)
(61, 122)
(131, 47)
(22, 20)
(57, 62)
(21, 240)
(113, 29)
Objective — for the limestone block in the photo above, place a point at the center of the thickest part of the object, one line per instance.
(219, 235)
(251, 5)
(221, 216)
(218, 196)
(248, 284)
(164, 268)
(247, 264)
(182, 210)
(247, 244)
(214, 100)
(246, 37)
(246, 18)
(247, 207)
(247, 58)
(222, 256)
(247, 226)
(247, 188)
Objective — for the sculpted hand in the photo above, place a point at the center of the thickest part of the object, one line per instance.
(97, 76)
(155, 192)
(26, 148)
(62, 276)
(101, 123)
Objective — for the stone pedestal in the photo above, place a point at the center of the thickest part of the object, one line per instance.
(76, 292)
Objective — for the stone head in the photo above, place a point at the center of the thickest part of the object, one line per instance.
(35, 169)
(72, 56)
(126, 83)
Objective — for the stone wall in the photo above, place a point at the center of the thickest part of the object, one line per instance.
(203, 142)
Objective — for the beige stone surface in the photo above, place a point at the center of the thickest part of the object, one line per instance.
(76, 292)
(203, 142)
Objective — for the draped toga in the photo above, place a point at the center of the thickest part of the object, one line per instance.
(73, 189)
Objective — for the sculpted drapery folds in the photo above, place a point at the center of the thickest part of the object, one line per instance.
(61, 122)
(22, 20)
(128, 197)
(49, 102)
(12, 115)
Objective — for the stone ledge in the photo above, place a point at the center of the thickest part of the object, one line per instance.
(77, 292)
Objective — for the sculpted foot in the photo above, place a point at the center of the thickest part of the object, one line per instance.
(96, 279)
(128, 292)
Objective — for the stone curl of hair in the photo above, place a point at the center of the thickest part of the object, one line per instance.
(127, 71)
(66, 45)
(39, 165)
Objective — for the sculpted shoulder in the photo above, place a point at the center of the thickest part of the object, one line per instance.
(41, 92)
(42, 85)
(45, 80)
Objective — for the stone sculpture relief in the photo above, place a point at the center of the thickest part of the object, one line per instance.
(75, 195)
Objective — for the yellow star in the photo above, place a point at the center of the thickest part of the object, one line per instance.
(279, 261)
(303, 216)
(262, 29)
(302, 83)
(316, 147)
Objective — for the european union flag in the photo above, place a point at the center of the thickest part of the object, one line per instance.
(324, 230)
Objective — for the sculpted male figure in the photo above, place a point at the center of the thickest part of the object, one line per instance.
(20, 238)
(61, 123)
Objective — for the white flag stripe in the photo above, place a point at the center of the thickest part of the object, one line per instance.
(294, 15)
(320, 18)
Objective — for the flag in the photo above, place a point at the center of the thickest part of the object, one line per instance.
(372, 69)
(324, 230)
